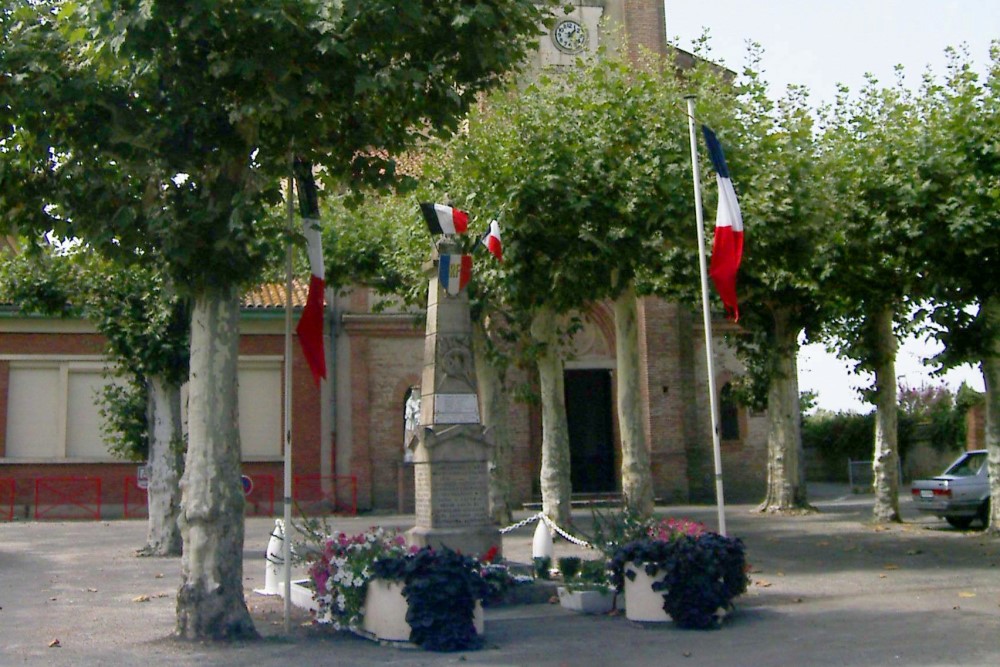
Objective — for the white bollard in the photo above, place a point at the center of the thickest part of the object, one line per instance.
(274, 561)
(541, 543)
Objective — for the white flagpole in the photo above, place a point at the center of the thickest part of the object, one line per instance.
(286, 545)
(706, 314)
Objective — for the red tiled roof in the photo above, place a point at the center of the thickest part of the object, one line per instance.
(272, 295)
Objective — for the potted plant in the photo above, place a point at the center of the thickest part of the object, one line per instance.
(444, 591)
(585, 586)
(376, 586)
(680, 572)
(341, 569)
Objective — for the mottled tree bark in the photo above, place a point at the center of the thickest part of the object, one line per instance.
(786, 489)
(637, 479)
(991, 375)
(555, 472)
(886, 461)
(210, 602)
(166, 462)
(496, 417)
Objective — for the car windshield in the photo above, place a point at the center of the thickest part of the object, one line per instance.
(968, 465)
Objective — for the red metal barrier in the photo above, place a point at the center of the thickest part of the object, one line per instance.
(325, 494)
(67, 498)
(260, 499)
(135, 502)
(7, 499)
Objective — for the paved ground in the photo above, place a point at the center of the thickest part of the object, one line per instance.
(828, 589)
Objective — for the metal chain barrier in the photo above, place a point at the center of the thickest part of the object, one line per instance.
(551, 525)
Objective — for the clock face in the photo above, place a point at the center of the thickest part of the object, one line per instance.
(569, 36)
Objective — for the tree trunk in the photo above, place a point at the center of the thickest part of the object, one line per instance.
(786, 489)
(637, 478)
(886, 462)
(991, 376)
(210, 603)
(496, 412)
(555, 473)
(166, 462)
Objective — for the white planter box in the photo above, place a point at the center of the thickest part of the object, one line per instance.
(642, 603)
(385, 612)
(588, 602)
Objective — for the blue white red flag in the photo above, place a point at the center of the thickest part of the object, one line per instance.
(310, 326)
(443, 219)
(492, 240)
(727, 245)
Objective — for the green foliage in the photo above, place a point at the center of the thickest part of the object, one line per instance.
(702, 574)
(960, 189)
(931, 414)
(542, 567)
(569, 566)
(615, 528)
(123, 408)
(171, 126)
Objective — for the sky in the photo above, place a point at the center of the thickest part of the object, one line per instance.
(820, 43)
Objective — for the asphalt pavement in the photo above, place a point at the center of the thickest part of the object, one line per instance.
(828, 588)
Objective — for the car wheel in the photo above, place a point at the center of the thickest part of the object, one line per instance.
(960, 522)
(984, 513)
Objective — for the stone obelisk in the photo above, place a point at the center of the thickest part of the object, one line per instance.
(450, 453)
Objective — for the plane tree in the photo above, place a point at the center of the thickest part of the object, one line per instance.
(772, 152)
(871, 153)
(170, 125)
(959, 180)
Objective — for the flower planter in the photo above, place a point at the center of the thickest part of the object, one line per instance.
(642, 603)
(385, 612)
(587, 602)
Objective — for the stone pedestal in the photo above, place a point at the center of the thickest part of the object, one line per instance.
(451, 452)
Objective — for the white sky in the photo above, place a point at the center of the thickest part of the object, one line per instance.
(820, 43)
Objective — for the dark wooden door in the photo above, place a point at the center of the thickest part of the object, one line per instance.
(588, 411)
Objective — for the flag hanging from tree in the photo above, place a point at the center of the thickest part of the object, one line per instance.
(310, 327)
(443, 219)
(492, 240)
(727, 245)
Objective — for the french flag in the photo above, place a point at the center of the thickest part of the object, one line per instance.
(443, 219)
(492, 240)
(727, 246)
(310, 326)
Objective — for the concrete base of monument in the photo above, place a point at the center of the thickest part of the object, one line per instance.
(472, 541)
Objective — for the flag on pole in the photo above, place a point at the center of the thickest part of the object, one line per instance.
(727, 245)
(443, 219)
(454, 272)
(492, 240)
(310, 327)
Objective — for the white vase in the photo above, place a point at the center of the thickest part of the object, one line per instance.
(588, 602)
(642, 603)
(385, 612)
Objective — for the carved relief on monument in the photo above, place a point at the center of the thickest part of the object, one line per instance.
(456, 365)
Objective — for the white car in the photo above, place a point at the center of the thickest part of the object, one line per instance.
(960, 494)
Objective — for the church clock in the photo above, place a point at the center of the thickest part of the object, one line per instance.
(569, 36)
